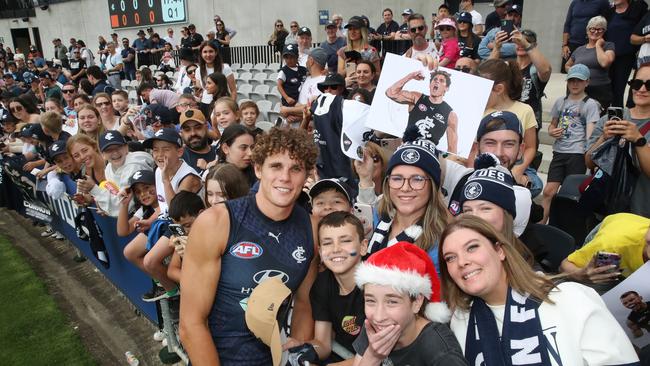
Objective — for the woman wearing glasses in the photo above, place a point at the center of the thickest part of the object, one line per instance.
(292, 37)
(110, 120)
(598, 55)
(635, 128)
(24, 110)
(278, 36)
(357, 40)
(411, 208)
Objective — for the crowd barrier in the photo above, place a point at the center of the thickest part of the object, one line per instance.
(24, 194)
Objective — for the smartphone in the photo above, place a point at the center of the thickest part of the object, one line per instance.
(615, 113)
(364, 213)
(177, 229)
(350, 68)
(607, 259)
(352, 55)
(507, 26)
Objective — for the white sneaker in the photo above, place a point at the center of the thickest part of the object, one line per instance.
(48, 232)
(159, 336)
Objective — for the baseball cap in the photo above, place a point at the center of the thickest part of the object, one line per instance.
(499, 3)
(110, 138)
(331, 183)
(261, 314)
(510, 122)
(164, 134)
(465, 17)
(332, 79)
(45, 75)
(36, 132)
(331, 24)
(355, 22)
(192, 115)
(304, 30)
(407, 11)
(446, 22)
(319, 55)
(144, 176)
(290, 49)
(57, 148)
(7, 76)
(141, 32)
(150, 29)
(578, 71)
(514, 8)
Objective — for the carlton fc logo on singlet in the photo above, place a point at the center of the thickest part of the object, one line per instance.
(246, 250)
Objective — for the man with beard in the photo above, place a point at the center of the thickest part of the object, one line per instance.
(194, 132)
(422, 49)
(430, 115)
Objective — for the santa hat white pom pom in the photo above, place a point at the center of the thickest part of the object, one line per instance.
(438, 312)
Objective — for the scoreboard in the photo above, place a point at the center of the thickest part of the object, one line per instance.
(144, 13)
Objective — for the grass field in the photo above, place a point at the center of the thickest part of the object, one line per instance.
(33, 331)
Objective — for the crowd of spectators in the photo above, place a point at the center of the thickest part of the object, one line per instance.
(411, 254)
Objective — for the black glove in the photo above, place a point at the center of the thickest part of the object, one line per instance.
(304, 353)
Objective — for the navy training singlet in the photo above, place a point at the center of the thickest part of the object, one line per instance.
(257, 248)
(429, 119)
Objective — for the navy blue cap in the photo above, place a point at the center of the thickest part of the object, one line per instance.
(510, 122)
(57, 148)
(331, 183)
(464, 17)
(142, 176)
(164, 134)
(290, 49)
(304, 30)
(514, 8)
(110, 138)
(355, 22)
(36, 132)
(45, 75)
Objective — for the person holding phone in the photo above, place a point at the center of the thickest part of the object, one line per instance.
(509, 23)
(357, 40)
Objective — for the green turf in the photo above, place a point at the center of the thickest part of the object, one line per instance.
(33, 331)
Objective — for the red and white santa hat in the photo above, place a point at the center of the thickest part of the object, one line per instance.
(408, 269)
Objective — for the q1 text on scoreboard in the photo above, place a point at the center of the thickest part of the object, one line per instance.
(139, 13)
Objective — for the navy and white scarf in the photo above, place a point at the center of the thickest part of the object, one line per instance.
(522, 341)
(379, 239)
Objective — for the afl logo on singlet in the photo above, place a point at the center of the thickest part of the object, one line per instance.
(247, 250)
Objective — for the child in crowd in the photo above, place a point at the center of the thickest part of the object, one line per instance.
(291, 76)
(141, 191)
(224, 182)
(249, 114)
(574, 118)
(330, 195)
(405, 318)
(224, 114)
(337, 304)
(120, 101)
(183, 210)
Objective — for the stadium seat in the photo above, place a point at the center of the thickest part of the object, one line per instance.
(142, 67)
(264, 107)
(273, 116)
(153, 67)
(271, 80)
(244, 91)
(275, 66)
(259, 93)
(170, 74)
(566, 213)
(264, 125)
(556, 243)
(260, 66)
(246, 76)
(258, 79)
(133, 97)
(247, 66)
(125, 84)
(135, 84)
(273, 98)
(235, 66)
(277, 106)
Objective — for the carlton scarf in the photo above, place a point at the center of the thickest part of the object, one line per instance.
(522, 341)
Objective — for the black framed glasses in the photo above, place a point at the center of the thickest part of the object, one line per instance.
(597, 30)
(416, 182)
(417, 29)
(636, 84)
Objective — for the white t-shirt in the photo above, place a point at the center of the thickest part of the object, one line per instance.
(309, 89)
(206, 97)
(430, 50)
(112, 61)
(578, 327)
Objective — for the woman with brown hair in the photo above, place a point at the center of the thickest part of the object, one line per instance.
(209, 62)
(504, 311)
(371, 171)
(223, 182)
(85, 152)
(357, 40)
(89, 122)
(110, 121)
(278, 36)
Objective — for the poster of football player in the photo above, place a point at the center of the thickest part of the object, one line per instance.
(443, 105)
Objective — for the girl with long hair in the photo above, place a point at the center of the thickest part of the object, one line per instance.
(24, 110)
(278, 36)
(357, 40)
(110, 120)
(89, 122)
(209, 62)
(236, 148)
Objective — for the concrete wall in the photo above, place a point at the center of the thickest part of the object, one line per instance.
(254, 19)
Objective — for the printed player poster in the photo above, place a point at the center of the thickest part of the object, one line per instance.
(444, 106)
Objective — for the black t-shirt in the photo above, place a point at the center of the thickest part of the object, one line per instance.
(195, 40)
(641, 318)
(125, 53)
(435, 345)
(532, 91)
(643, 27)
(191, 157)
(466, 50)
(492, 21)
(345, 312)
(404, 28)
(76, 66)
(385, 30)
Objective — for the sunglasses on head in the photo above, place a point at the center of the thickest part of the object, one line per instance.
(465, 69)
(636, 84)
(417, 29)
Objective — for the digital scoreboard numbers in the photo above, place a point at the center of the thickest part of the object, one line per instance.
(143, 13)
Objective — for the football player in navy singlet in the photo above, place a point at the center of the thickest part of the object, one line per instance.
(429, 114)
(235, 246)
